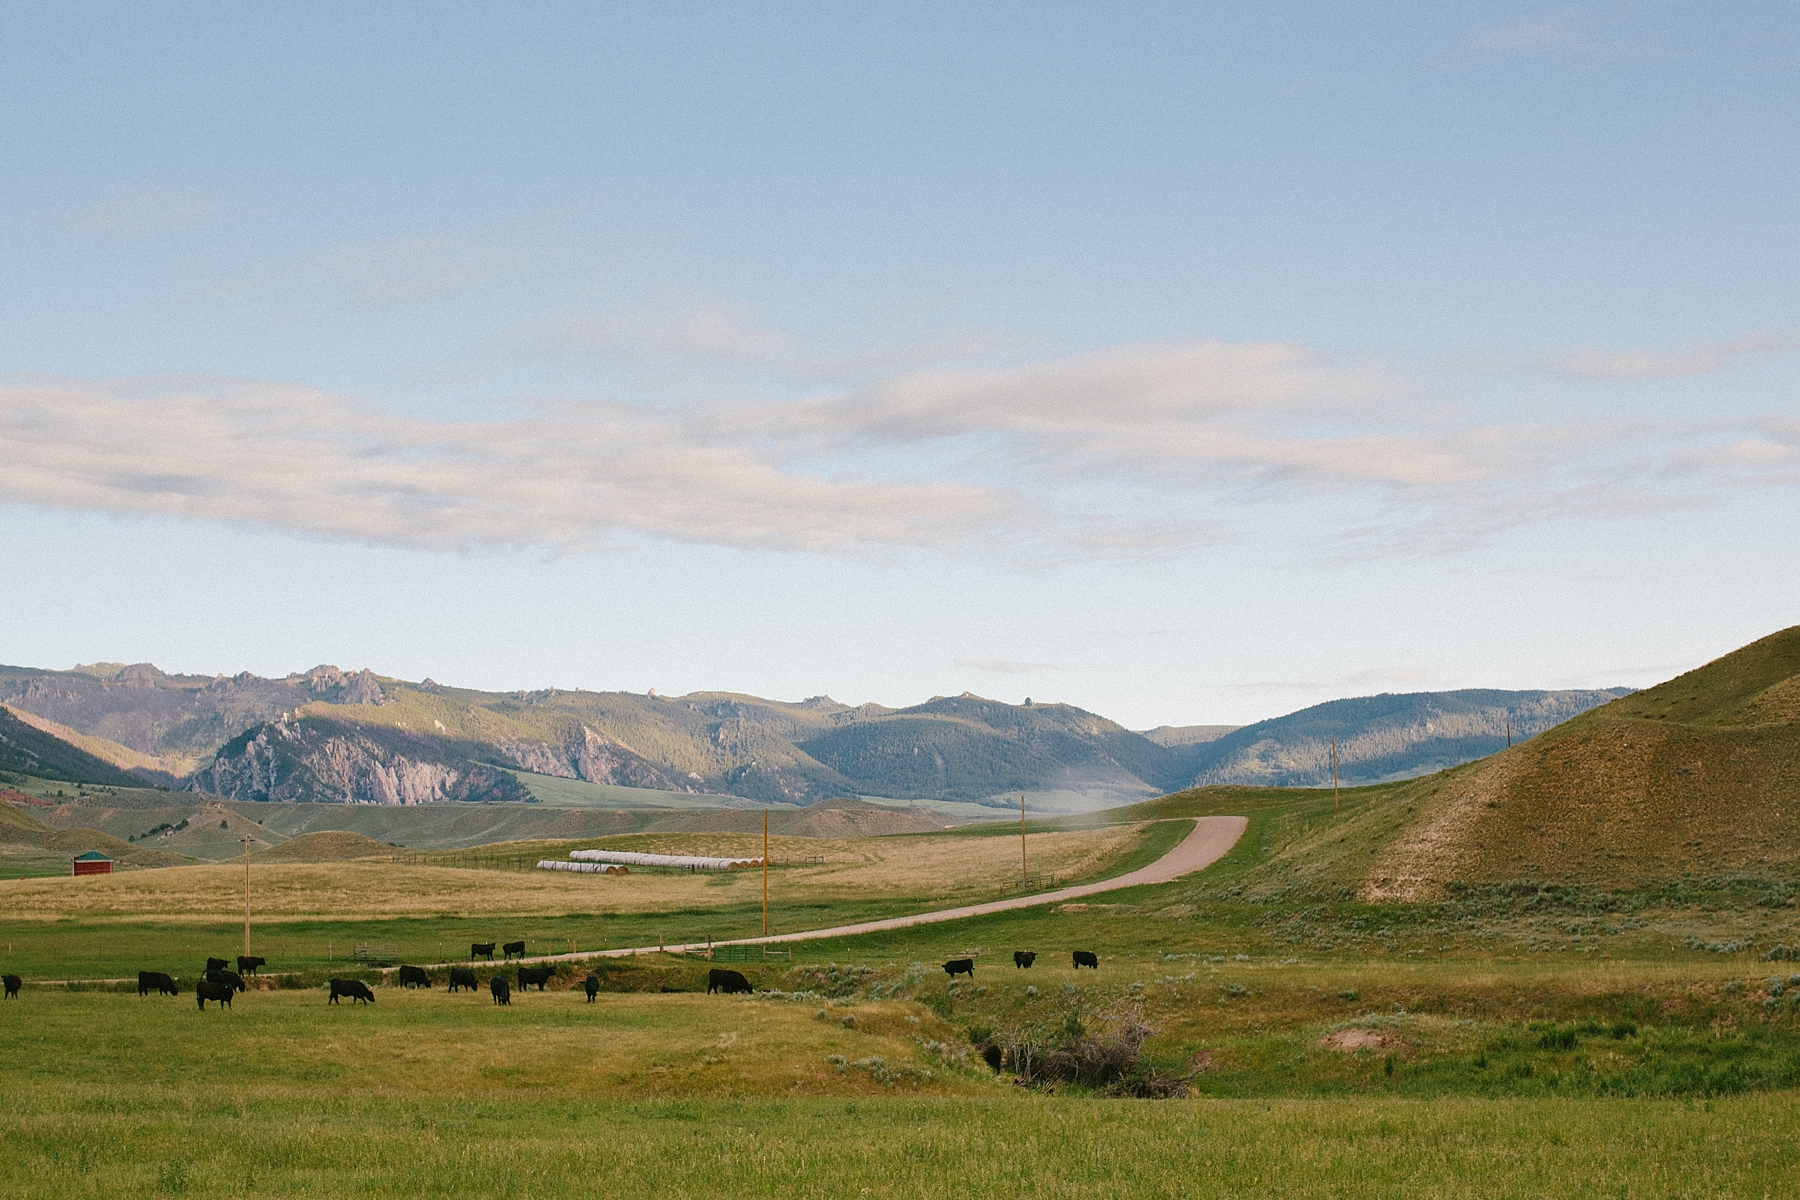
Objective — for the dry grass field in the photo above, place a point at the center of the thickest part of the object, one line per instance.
(911, 868)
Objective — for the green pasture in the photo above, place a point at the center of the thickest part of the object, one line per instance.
(1514, 1041)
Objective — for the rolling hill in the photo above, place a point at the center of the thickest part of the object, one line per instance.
(1697, 777)
(27, 750)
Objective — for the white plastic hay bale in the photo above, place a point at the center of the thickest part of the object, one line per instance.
(690, 862)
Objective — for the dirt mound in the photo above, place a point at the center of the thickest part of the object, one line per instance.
(332, 845)
(1349, 1041)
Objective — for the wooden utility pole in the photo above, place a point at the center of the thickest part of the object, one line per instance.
(1023, 876)
(1509, 735)
(1336, 808)
(765, 872)
(246, 897)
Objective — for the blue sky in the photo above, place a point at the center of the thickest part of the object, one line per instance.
(1187, 364)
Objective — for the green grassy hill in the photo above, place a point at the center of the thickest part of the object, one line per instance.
(31, 846)
(1697, 778)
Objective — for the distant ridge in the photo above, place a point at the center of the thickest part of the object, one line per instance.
(1386, 737)
(328, 735)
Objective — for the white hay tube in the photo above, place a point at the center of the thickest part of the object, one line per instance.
(690, 862)
(585, 868)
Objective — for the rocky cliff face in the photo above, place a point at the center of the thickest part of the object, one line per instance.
(317, 759)
(596, 758)
(182, 716)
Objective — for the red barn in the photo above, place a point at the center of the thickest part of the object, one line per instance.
(93, 863)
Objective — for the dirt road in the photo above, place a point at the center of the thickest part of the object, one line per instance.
(1211, 839)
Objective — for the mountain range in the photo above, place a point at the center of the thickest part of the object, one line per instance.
(331, 735)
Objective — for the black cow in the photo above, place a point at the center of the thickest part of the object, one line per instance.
(502, 993)
(993, 1056)
(248, 963)
(1024, 958)
(206, 989)
(1086, 958)
(414, 977)
(356, 989)
(230, 978)
(591, 985)
(462, 977)
(535, 975)
(960, 966)
(481, 950)
(156, 981)
(729, 982)
(510, 949)
(13, 984)
(217, 964)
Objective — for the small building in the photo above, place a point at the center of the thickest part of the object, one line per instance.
(93, 863)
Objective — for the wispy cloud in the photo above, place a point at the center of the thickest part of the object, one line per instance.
(304, 461)
(1138, 449)
(1004, 666)
(1704, 358)
(141, 211)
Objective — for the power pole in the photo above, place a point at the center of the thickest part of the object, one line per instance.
(246, 896)
(1023, 875)
(1509, 735)
(1336, 809)
(765, 872)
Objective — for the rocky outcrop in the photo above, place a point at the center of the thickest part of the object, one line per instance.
(316, 759)
(593, 756)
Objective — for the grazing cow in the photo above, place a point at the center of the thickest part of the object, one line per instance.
(247, 963)
(217, 964)
(591, 985)
(414, 977)
(508, 950)
(1024, 958)
(502, 993)
(231, 978)
(481, 950)
(462, 977)
(156, 981)
(356, 989)
(729, 982)
(13, 984)
(535, 975)
(960, 966)
(1086, 958)
(206, 989)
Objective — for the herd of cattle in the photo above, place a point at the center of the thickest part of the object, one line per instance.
(219, 983)
(1022, 959)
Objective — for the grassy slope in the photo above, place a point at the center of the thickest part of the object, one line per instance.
(1698, 778)
(163, 769)
(31, 847)
(26, 749)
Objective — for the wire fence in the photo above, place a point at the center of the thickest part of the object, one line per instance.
(1029, 883)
